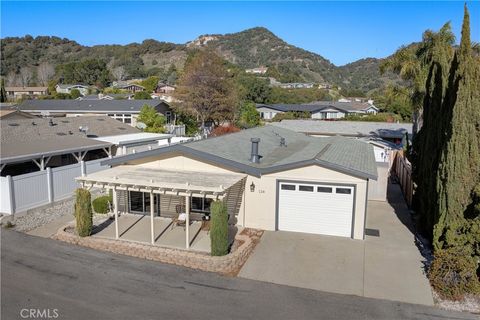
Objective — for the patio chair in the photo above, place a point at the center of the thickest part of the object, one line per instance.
(180, 219)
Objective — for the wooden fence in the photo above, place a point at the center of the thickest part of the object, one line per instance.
(403, 170)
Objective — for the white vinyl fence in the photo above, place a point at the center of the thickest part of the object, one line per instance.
(31, 190)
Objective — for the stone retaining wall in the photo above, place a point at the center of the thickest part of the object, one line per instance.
(229, 264)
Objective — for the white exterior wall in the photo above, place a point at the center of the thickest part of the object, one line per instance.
(259, 208)
(268, 113)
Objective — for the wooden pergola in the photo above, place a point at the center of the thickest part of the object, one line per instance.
(158, 181)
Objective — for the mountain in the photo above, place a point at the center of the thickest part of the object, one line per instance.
(248, 49)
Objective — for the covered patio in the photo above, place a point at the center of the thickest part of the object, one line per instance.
(181, 229)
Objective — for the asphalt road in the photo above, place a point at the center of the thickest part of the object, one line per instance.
(80, 283)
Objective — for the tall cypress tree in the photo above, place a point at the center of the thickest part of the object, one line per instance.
(458, 178)
(3, 93)
(427, 143)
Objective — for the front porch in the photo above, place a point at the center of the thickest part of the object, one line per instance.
(136, 227)
(164, 207)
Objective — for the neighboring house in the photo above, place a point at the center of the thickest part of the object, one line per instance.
(125, 111)
(270, 178)
(34, 144)
(107, 96)
(321, 110)
(67, 88)
(142, 141)
(15, 93)
(14, 114)
(164, 88)
(128, 86)
(260, 70)
(296, 85)
(391, 132)
(325, 86)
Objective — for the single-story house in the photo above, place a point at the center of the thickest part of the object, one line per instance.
(67, 88)
(28, 145)
(164, 88)
(270, 178)
(123, 110)
(321, 110)
(15, 93)
(107, 96)
(142, 141)
(387, 131)
(128, 86)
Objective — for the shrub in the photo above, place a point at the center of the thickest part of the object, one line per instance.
(221, 130)
(83, 212)
(101, 204)
(290, 115)
(219, 229)
(453, 273)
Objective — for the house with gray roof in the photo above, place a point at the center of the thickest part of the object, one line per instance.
(124, 110)
(388, 131)
(67, 88)
(269, 178)
(28, 145)
(321, 110)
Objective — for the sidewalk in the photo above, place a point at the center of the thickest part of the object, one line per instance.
(51, 228)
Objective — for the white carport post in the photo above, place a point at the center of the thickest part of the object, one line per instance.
(115, 210)
(187, 221)
(152, 207)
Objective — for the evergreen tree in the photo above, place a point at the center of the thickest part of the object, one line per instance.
(3, 93)
(428, 142)
(458, 180)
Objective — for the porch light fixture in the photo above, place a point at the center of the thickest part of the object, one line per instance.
(252, 187)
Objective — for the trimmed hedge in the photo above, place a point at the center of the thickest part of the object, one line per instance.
(218, 229)
(453, 273)
(83, 212)
(101, 204)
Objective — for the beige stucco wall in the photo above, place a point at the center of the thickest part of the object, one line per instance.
(258, 208)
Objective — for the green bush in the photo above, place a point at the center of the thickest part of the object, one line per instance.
(453, 273)
(219, 229)
(101, 204)
(83, 212)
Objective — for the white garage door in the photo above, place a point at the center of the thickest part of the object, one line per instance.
(315, 208)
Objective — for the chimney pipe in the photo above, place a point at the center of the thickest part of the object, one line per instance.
(255, 158)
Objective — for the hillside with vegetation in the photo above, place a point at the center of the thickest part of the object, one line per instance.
(32, 60)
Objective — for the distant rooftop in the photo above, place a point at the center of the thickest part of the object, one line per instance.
(25, 138)
(318, 105)
(131, 106)
(347, 128)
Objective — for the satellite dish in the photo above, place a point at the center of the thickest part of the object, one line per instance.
(141, 125)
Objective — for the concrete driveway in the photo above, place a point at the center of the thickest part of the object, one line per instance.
(386, 267)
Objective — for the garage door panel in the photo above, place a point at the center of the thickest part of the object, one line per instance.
(328, 213)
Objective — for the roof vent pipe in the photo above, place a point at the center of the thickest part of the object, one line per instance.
(254, 157)
(283, 142)
(50, 122)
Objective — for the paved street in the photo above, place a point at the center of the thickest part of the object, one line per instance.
(86, 284)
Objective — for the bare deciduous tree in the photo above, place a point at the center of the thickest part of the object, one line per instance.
(25, 76)
(45, 73)
(206, 89)
(119, 73)
(12, 79)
